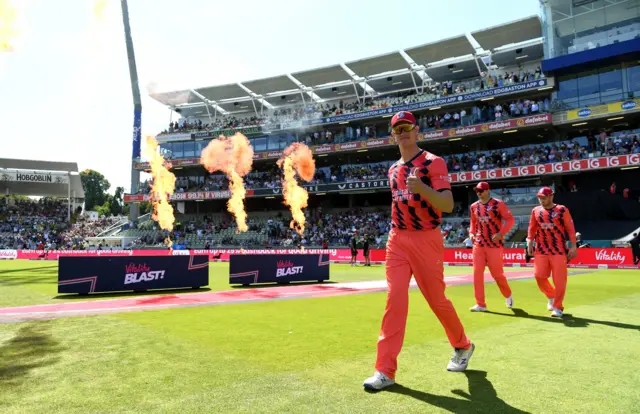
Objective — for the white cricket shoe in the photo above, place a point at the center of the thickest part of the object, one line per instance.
(477, 308)
(556, 313)
(378, 381)
(460, 359)
(550, 304)
(509, 302)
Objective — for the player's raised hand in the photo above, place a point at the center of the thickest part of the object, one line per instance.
(414, 184)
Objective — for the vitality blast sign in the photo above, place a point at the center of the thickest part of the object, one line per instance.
(277, 268)
(116, 273)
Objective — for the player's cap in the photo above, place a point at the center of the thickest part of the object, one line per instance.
(403, 116)
(545, 192)
(482, 186)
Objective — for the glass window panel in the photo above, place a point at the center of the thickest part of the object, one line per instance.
(610, 80)
(588, 84)
(633, 79)
(177, 150)
(189, 149)
(567, 88)
(260, 144)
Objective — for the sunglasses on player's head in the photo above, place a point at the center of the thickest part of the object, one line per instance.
(399, 129)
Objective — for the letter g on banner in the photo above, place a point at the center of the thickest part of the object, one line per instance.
(575, 166)
(594, 164)
(633, 159)
(614, 161)
(523, 171)
(506, 172)
(476, 175)
(557, 167)
(491, 174)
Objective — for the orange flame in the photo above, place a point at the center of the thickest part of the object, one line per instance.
(164, 184)
(234, 157)
(8, 23)
(296, 157)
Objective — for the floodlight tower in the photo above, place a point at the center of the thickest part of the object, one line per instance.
(137, 108)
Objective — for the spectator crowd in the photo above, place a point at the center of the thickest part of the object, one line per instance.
(310, 111)
(42, 224)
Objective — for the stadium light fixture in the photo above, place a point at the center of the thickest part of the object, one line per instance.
(545, 88)
(457, 71)
(630, 168)
(322, 155)
(363, 150)
(616, 118)
(270, 197)
(522, 57)
(396, 83)
(435, 108)
(488, 99)
(387, 116)
(455, 139)
(321, 193)
(580, 123)
(510, 131)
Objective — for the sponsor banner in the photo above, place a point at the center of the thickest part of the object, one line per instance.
(78, 274)
(456, 99)
(278, 268)
(590, 164)
(33, 176)
(598, 110)
(174, 137)
(553, 168)
(252, 130)
(8, 254)
(389, 141)
(618, 257)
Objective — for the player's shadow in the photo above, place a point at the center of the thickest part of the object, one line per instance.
(32, 347)
(568, 320)
(482, 397)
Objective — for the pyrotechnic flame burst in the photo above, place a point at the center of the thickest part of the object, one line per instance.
(164, 184)
(8, 26)
(234, 157)
(296, 158)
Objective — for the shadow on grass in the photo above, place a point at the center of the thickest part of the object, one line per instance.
(132, 294)
(568, 320)
(48, 269)
(274, 285)
(482, 397)
(32, 347)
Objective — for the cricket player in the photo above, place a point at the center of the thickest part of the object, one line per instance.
(487, 232)
(551, 228)
(421, 191)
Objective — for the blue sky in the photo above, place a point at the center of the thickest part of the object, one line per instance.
(65, 93)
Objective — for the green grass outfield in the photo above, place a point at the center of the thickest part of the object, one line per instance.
(311, 355)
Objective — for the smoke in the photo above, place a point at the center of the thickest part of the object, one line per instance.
(234, 157)
(296, 158)
(163, 185)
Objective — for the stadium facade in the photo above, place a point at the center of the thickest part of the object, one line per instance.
(546, 100)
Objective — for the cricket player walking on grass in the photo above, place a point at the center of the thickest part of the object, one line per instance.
(487, 232)
(551, 228)
(421, 191)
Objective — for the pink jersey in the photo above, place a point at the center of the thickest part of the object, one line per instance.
(551, 229)
(486, 222)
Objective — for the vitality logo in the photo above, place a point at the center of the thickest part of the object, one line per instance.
(141, 273)
(286, 268)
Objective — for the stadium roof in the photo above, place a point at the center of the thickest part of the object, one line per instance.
(512, 32)
(449, 59)
(322, 76)
(441, 50)
(268, 86)
(222, 92)
(378, 64)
